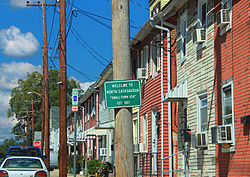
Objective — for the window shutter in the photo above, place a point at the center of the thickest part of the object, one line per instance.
(147, 56)
(142, 62)
(158, 53)
(151, 58)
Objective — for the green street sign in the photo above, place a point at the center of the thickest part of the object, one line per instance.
(75, 97)
(122, 94)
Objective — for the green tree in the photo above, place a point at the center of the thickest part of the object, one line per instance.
(20, 101)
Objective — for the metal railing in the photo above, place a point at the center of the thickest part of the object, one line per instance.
(178, 170)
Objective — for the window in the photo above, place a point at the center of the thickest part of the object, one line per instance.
(202, 14)
(227, 104)
(226, 4)
(88, 109)
(144, 132)
(155, 55)
(86, 112)
(202, 112)
(135, 131)
(93, 105)
(146, 56)
(183, 36)
(142, 60)
(156, 9)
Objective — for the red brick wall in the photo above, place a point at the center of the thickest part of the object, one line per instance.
(232, 61)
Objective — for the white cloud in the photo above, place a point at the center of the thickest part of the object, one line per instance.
(85, 85)
(11, 72)
(14, 43)
(18, 3)
(4, 103)
(5, 127)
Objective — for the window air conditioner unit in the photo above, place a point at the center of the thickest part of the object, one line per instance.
(199, 36)
(136, 148)
(141, 73)
(103, 151)
(90, 152)
(200, 140)
(223, 17)
(222, 134)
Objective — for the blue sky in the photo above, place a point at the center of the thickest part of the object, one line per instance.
(89, 42)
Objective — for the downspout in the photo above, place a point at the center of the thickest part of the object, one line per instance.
(162, 96)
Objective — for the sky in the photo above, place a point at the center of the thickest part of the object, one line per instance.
(89, 43)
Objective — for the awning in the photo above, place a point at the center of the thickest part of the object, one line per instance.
(96, 132)
(177, 94)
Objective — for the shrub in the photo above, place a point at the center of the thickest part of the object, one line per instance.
(98, 166)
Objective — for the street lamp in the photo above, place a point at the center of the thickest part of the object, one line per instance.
(42, 137)
(45, 123)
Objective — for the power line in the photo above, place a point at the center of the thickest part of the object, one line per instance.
(139, 5)
(105, 18)
(79, 39)
(53, 18)
(83, 74)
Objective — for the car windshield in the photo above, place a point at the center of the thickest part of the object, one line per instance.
(23, 152)
(22, 163)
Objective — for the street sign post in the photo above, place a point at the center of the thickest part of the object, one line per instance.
(75, 100)
(122, 94)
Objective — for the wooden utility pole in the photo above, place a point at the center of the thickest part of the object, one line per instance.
(45, 121)
(33, 121)
(45, 87)
(28, 129)
(124, 151)
(63, 92)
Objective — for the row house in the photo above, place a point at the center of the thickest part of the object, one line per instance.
(155, 122)
(192, 57)
(95, 123)
(231, 70)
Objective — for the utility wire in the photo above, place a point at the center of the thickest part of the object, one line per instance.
(79, 39)
(138, 4)
(83, 74)
(53, 18)
(89, 45)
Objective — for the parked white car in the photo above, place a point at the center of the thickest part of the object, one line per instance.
(23, 166)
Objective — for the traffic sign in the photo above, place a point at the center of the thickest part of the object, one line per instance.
(121, 94)
(74, 108)
(37, 144)
(75, 97)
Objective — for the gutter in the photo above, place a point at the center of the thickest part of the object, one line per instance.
(170, 137)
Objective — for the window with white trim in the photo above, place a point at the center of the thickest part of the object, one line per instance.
(92, 105)
(142, 60)
(135, 131)
(202, 21)
(144, 132)
(227, 104)
(183, 36)
(155, 55)
(88, 109)
(146, 56)
(202, 112)
(137, 62)
(202, 14)
(226, 4)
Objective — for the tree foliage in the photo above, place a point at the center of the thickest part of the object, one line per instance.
(7, 143)
(31, 89)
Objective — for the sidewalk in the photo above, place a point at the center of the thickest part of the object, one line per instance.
(55, 173)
